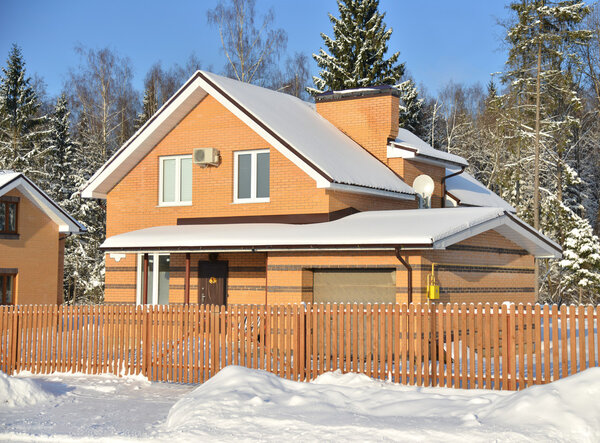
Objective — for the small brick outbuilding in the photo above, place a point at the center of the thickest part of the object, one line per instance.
(33, 229)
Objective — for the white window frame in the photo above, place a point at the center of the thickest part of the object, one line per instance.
(153, 297)
(253, 178)
(177, 201)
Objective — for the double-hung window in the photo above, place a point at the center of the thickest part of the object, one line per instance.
(175, 183)
(251, 176)
(8, 217)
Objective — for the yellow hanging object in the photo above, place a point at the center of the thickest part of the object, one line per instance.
(433, 289)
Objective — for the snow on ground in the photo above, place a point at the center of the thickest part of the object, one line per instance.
(17, 392)
(245, 404)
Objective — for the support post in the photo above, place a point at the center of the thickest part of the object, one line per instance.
(187, 278)
(145, 280)
(409, 270)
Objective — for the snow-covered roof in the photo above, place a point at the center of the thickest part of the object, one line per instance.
(408, 145)
(10, 180)
(413, 228)
(289, 124)
(471, 192)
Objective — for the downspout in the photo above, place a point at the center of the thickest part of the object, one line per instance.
(454, 174)
(187, 279)
(145, 282)
(409, 270)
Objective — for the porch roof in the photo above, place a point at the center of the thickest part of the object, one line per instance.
(405, 229)
(471, 192)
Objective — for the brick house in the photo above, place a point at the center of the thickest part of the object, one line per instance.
(232, 193)
(33, 230)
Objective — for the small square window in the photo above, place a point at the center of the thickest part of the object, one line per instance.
(175, 181)
(251, 176)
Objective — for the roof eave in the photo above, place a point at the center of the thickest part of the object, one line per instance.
(411, 153)
(66, 223)
(355, 189)
(511, 227)
(154, 130)
(267, 248)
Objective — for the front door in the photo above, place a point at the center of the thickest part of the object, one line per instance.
(212, 282)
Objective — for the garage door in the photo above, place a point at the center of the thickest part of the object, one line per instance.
(354, 285)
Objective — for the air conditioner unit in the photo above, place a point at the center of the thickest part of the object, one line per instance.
(206, 156)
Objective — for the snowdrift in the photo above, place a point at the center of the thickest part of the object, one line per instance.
(20, 392)
(251, 404)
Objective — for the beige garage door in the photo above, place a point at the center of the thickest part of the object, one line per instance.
(354, 285)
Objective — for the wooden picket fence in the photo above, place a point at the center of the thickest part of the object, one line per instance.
(466, 346)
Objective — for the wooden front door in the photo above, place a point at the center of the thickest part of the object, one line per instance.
(212, 282)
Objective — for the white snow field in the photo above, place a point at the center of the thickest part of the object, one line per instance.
(246, 404)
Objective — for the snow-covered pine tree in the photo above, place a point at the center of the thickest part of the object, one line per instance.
(68, 168)
(543, 119)
(581, 263)
(542, 42)
(21, 126)
(84, 261)
(149, 107)
(60, 150)
(357, 51)
(411, 108)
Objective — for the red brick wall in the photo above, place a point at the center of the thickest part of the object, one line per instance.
(408, 170)
(485, 268)
(133, 203)
(370, 121)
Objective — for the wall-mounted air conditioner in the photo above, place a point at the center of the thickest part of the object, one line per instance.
(206, 157)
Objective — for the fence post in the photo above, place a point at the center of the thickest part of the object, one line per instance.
(146, 346)
(14, 337)
(510, 348)
(300, 343)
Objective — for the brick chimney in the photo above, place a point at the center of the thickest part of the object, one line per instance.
(369, 116)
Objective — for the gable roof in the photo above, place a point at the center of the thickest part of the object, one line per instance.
(409, 228)
(408, 145)
(471, 192)
(10, 180)
(287, 123)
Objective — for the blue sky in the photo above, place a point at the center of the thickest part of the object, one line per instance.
(439, 40)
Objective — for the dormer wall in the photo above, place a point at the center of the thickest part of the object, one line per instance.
(410, 169)
(369, 116)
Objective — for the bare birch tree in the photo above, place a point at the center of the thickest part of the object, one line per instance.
(250, 43)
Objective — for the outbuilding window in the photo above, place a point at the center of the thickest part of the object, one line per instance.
(7, 289)
(8, 217)
(251, 176)
(175, 183)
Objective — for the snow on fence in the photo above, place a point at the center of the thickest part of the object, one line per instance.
(474, 346)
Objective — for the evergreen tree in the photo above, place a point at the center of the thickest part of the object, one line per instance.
(60, 152)
(357, 50)
(581, 261)
(149, 107)
(21, 128)
(68, 168)
(544, 107)
(411, 108)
